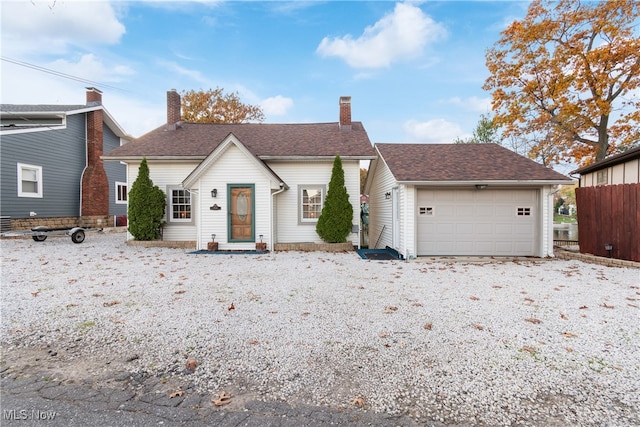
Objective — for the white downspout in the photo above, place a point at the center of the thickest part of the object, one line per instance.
(274, 216)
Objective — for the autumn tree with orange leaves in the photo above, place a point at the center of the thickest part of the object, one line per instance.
(214, 106)
(565, 76)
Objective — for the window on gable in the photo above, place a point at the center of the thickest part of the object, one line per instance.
(179, 205)
(29, 180)
(311, 199)
(121, 193)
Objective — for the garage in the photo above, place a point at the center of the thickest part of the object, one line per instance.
(477, 222)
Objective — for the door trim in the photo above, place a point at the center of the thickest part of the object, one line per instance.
(253, 212)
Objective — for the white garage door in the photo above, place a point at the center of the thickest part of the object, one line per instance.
(477, 222)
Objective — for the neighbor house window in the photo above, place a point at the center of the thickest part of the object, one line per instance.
(602, 177)
(29, 180)
(311, 201)
(121, 193)
(179, 205)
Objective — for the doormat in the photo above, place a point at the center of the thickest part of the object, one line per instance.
(378, 254)
(205, 252)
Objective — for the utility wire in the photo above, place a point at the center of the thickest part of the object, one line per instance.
(59, 74)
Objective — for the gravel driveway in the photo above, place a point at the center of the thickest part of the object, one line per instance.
(494, 342)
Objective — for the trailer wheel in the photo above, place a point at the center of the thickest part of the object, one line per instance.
(39, 237)
(77, 236)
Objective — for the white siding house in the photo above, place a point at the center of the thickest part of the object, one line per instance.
(248, 183)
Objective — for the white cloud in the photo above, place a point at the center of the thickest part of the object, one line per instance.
(400, 35)
(434, 131)
(27, 26)
(472, 103)
(90, 67)
(276, 106)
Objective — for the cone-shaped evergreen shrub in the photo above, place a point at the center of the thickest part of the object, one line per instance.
(146, 206)
(334, 224)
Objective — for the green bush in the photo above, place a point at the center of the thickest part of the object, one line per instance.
(146, 206)
(334, 224)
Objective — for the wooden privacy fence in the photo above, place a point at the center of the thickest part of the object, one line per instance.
(610, 215)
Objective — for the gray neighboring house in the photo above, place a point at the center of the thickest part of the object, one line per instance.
(52, 172)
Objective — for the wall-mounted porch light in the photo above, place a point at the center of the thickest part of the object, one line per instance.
(387, 195)
(608, 247)
(213, 237)
(214, 193)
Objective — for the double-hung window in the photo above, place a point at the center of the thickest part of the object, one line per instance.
(121, 192)
(179, 205)
(311, 200)
(29, 180)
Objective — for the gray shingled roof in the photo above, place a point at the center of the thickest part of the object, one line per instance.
(39, 108)
(462, 162)
(633, 153)
(194, 140)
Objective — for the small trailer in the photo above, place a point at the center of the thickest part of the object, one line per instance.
(41, 232)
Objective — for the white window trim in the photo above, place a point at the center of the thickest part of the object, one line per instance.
(119, 184)
(170, 217)
(38, 169)
(301, 188)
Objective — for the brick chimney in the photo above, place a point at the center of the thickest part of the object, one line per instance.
(173, 109)
(95, 185)
(345, 113)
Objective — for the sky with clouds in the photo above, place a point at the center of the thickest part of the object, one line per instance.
(414, 70)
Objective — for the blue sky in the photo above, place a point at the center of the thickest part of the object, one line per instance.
(414, 70)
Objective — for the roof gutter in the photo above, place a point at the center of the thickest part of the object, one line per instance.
(501, 183)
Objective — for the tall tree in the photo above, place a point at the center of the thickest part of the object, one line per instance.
(334, 224)
(485, 132)
(215, 106)
(569, 70)
(146, 206)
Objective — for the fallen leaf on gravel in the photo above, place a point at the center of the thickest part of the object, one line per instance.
(358, 401)
(254, 342)
(383, 335)
(223, 399)
(569, 350)
(176, 394)
(497, 286)
(556, 289)
(390, 309)
(15, 331)
(161, 274)
(631, 305)
(416, 304)
(569, 335)
(231, 307)
(583, 307)
(35, 294)
(428, 326)
(563, 316)
(305, 313)
(181, 291)
(531, 350)
(387, 345)
(474, 298)
(605, 305)
(97, 295)
(191, 364)
(533, 320)
(478, 327)
(110, 304)
(529, 300)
